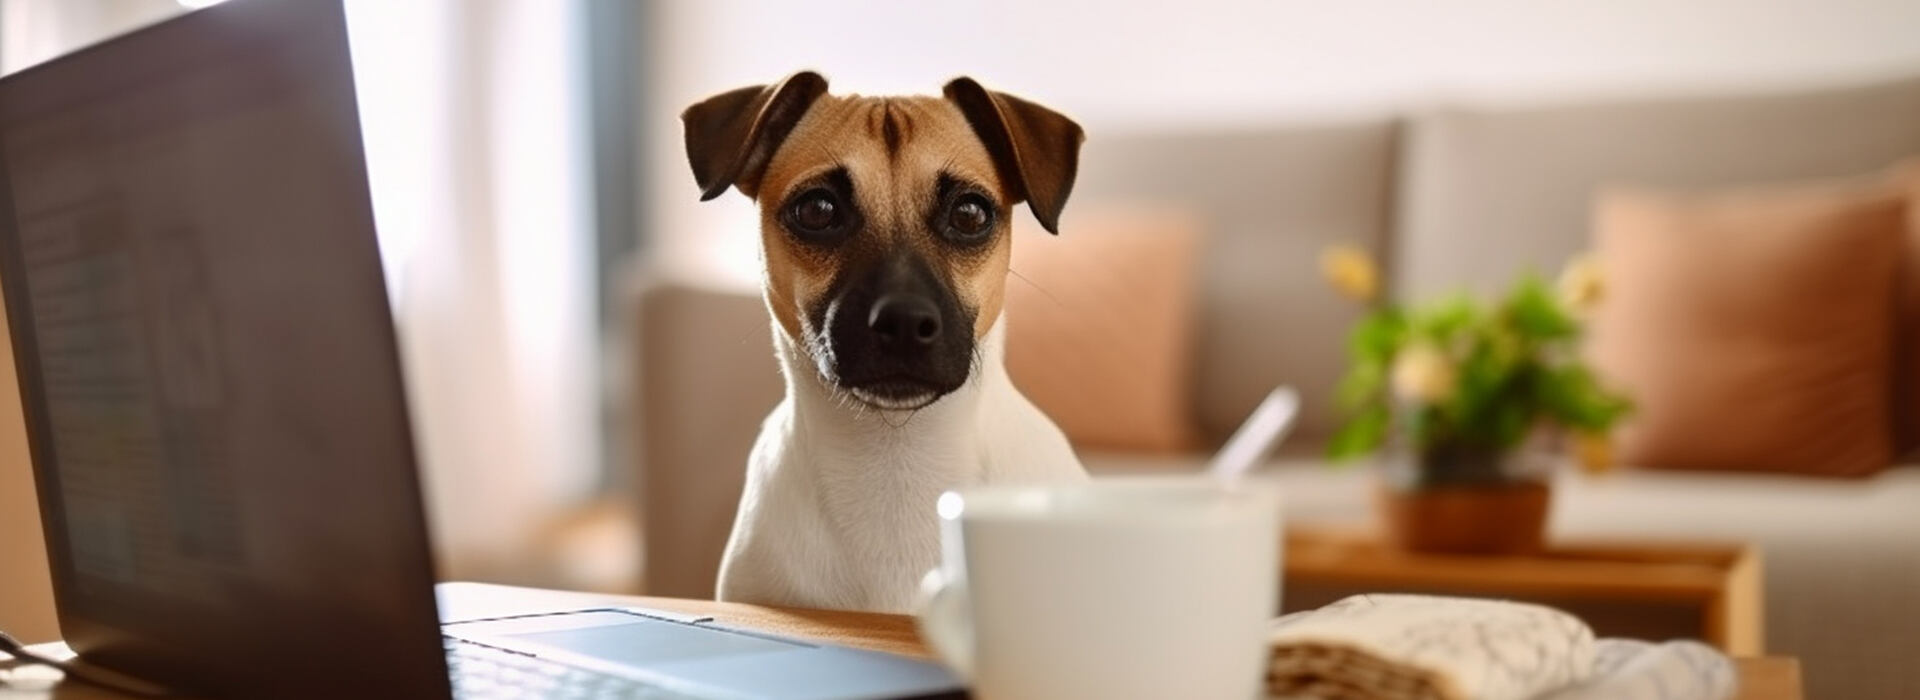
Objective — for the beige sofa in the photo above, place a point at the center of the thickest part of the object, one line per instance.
(1450, 198)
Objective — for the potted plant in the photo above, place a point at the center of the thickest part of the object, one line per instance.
(1458, 396)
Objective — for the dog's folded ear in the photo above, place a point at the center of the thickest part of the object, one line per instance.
(733, 135)
(1036, 150)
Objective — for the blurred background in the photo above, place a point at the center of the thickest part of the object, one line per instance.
(571, 313)
(526, 159)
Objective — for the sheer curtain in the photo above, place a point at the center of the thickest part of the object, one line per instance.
(476, 130)
(474, 114)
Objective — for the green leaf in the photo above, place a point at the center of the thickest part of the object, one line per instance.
(1362, 434)
(1572, 396)
(1377, 336)
(1364, 383)
(1535, 313)
(1481, 374)
(1442, 320)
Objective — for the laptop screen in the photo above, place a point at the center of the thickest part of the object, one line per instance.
(207, 359)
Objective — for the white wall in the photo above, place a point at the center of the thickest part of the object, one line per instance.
(32, 31)
(1123, 66)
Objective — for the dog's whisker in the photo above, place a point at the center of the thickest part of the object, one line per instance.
(1043, 290)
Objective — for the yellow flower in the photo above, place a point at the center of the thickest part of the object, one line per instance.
(1423, 374)
(1581, 283)
(1351, 272)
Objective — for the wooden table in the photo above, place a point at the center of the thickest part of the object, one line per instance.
(1771, 678)
(1711, 591)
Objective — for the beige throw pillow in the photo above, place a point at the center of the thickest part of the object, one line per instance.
(1100, 327)
(1752, 327)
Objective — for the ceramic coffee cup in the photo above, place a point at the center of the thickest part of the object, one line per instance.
(1150, 587)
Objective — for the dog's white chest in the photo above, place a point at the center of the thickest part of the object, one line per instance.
(839, 507)
(838, 525)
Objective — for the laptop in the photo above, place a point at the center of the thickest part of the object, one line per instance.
(218, 428)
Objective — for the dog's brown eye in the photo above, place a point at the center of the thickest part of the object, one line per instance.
(970, 218)
(816, 212)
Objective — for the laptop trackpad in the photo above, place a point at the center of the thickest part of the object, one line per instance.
(639, 641)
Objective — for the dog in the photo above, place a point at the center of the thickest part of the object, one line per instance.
(885, 236)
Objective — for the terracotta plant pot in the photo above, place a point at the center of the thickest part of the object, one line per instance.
(1488, 518)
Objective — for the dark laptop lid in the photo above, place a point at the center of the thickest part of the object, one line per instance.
(207, 361)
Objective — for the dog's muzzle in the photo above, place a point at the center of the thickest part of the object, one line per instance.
(897, 335)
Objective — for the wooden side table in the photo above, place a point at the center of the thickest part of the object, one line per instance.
(1717, 586)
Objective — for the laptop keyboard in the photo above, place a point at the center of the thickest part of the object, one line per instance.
(485, 672)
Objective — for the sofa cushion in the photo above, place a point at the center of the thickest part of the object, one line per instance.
(1100, 326)
(1751, 327)
(1486, 193)
(1906, 330)
(1270, 200)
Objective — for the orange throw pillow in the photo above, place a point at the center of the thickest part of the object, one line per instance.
(1906, 335)
(1100, 327)
(1751, 327)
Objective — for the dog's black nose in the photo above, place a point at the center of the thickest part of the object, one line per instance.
(904, 322)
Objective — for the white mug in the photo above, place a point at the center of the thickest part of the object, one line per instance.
(1140, 587)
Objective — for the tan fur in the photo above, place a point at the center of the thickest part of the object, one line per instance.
(894, 149)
